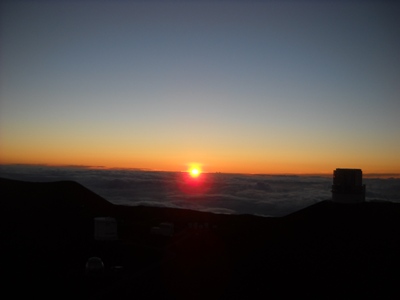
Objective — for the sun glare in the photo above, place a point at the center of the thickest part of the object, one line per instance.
(194, 170)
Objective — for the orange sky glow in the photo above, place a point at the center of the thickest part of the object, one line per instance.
(256, 164)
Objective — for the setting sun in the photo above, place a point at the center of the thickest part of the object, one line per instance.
(194, 172)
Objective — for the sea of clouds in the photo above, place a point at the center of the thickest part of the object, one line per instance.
(264, 195)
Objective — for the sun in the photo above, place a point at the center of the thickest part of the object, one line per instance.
(194, 172)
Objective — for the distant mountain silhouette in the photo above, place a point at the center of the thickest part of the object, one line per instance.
(327, 250)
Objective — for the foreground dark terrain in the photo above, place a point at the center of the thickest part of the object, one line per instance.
(327, 250)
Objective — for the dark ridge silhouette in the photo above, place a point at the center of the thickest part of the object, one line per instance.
(327, 250)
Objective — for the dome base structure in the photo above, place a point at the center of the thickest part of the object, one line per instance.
(347, 186)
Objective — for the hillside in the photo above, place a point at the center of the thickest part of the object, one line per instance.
(325, 250)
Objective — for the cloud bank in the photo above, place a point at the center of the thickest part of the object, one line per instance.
(264, 195)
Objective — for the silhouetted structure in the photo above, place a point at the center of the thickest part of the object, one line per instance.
(347, 186)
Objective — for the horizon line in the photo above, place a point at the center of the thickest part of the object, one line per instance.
(367, 174)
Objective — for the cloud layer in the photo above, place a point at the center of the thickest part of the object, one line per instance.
(264, 195)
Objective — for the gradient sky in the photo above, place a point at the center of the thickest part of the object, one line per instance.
(239, 86)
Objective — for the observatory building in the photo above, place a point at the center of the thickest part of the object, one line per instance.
(347, 186)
